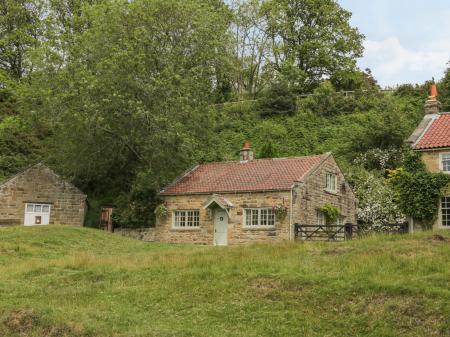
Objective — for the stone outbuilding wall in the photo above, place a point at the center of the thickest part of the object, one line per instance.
(39, 184)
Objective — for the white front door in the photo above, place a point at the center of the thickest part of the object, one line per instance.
(36, 214)
(220, 227)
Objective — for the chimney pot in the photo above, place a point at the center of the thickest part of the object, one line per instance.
(432, 105)
(433, 90)
(246, 153)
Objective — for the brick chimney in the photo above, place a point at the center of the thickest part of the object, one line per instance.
(432, 105)
(246, 153)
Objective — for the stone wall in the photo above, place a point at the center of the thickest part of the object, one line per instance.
(432, 159)
(146, 234)
(311, 195)
(237, 233)
(39, 184)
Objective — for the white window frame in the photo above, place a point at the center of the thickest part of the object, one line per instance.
(445, 212)
(330, 180)
(41, 207)
(191, 219)
(260, 221)
(441, 162)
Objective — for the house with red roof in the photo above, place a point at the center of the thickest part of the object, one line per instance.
(432, 139)
(252, 200)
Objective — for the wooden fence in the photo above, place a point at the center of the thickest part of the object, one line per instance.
(343, 232)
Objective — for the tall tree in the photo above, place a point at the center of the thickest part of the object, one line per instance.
(129, 96)
(444, 89)
(311, 40)
(251, 47)
(20, 29)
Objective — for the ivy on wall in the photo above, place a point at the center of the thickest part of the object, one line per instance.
(418, 191)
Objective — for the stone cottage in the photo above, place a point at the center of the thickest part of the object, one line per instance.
(38, 196)
(432, 140)
(251, 200)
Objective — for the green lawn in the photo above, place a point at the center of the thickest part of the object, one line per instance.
(64, 281)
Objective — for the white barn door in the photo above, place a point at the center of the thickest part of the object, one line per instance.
(36, 214)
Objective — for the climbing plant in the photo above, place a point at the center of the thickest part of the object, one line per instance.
(331, 213)
(418, 191)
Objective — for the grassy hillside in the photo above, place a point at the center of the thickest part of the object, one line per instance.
(60, 281)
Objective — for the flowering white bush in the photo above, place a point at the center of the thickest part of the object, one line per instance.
(379, 159)
(376, 198)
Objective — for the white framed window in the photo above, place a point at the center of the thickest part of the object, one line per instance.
(445, 211)
(445, 162)
(37, 208)
(331, 182)
(186, 219)
(259, 217)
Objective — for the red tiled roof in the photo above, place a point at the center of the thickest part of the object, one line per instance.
(234, 176)
(437, 134)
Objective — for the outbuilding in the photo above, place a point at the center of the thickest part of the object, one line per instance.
(38, 196)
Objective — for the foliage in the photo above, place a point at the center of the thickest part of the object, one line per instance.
(20, 30)
(444, 89)
(413, 162)
(311, 40)
(278, 99)
(280, 211)
(380, 159)
(377, 203)
(120, 97)
(161, 211)
(267, 151)
(122, 282)
(331, 213)
(419, 193)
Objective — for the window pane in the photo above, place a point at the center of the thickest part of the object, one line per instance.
(190, 219)
(177, 219)
(255, 217)
(37, 208)
(196, 218)
(30, 207)
(263, 217)
(45, 208)
(248, 217)
(270, 217)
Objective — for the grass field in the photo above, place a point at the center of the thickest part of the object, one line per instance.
(63, 281)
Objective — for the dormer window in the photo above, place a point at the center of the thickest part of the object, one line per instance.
(445, 162)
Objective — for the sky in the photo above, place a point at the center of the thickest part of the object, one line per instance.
(407, 41)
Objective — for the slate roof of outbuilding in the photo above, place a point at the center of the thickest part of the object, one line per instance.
(436, 134)
(255, 175)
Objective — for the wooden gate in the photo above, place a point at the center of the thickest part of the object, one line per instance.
(323, 232)
(344, 232)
